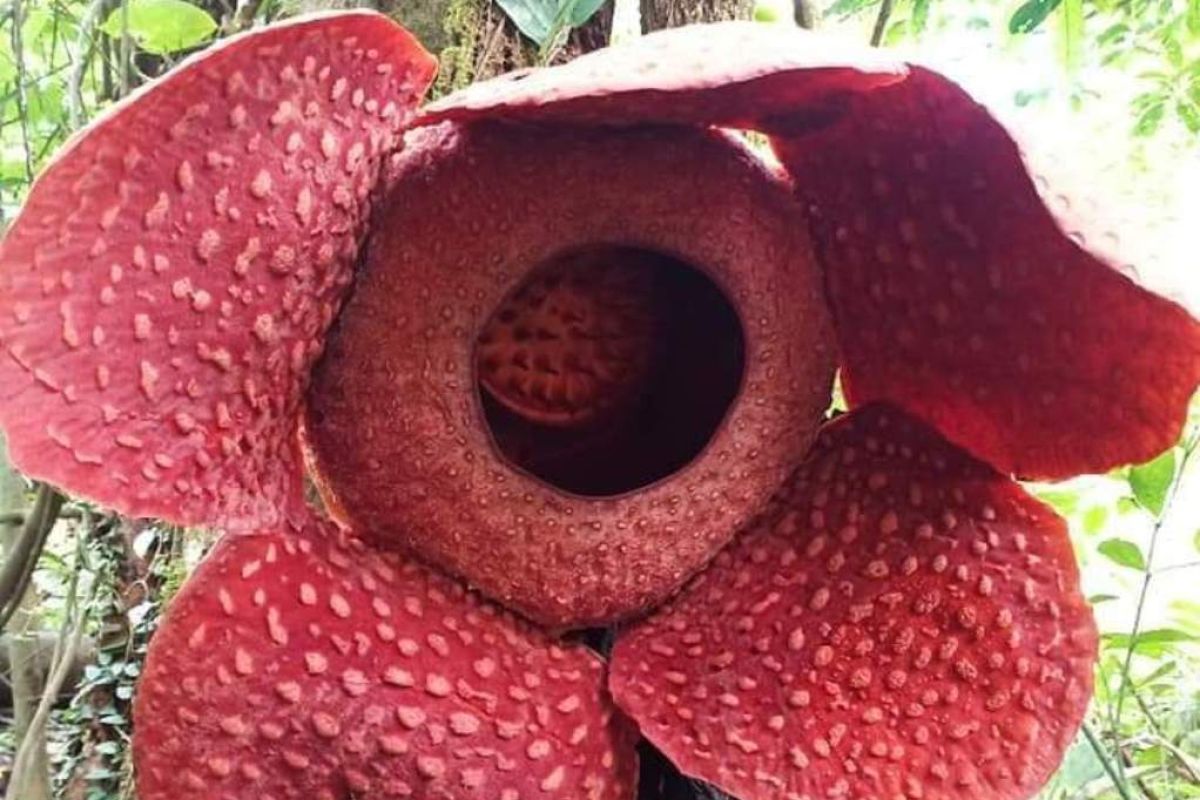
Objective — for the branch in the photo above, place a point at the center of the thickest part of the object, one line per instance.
(805, 14)
(70, 636)
(881, 22)
(26, 550)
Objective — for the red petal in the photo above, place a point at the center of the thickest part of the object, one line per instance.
(736, 74)
(302, 667)
(170, 278)
(960, 296)
(528, 193)
(904, 622)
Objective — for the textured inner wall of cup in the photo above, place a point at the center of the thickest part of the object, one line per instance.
(609, 368)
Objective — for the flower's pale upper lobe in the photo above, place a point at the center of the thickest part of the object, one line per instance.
(897, 618)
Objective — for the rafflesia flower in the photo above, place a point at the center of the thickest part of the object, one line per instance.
(561, 341)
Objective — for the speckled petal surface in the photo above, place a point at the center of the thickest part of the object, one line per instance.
(1000, 307)
(978, 297)
(902, 622)
(399, 434)
(735, 74)
(300, 666)
(169, 281)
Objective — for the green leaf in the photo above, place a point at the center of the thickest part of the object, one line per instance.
(1149, 119)
(1193, 17)
(920, 16)
(544, 20)
(1151, 481)
(1094, 520)
(846, 8)
(1031, 15)
(162, 26)
(1123, 552)
(1173, 50)
(582, 11)
(1097, 599)
(1071, 33)
(1189, 113)
(1155, 640)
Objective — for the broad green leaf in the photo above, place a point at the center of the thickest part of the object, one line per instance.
(582, 11)
(1123, 552)
(162, 26)
(1151, 481)
(543, 20)
(1031, 15)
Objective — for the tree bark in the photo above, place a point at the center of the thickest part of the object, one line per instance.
(659, 14)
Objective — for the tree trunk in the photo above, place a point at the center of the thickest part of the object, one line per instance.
(26, 679)
(659, 14)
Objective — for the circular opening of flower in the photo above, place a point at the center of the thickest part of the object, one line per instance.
(610, 368)
(558, 354)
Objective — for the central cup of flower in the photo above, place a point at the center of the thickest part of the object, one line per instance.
(609, 368)
(575, 362)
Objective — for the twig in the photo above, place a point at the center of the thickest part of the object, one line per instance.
(18, 47)
(86, 46)
(26, 550)
(881, 22)
(126, 50)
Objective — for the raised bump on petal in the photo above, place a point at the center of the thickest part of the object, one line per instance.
(983, 300)
(170, 278)
(903, 621)
(303, 666)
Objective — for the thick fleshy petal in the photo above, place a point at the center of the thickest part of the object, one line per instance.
(299, 666)
(399, 435)
(903, 622)
(736, 74)
(962, 289)
(170, 278)
(960, 294)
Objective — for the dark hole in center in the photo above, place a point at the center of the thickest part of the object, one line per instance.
(609, 369)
